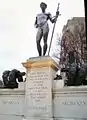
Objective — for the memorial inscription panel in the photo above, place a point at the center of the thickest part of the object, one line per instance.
(10, 104)
(39, 92)
(71, 106)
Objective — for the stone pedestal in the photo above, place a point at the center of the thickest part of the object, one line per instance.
(38, 95)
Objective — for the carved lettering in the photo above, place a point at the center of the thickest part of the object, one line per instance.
(38, 89)
(10, 102)
(75, 102)
(38, 107)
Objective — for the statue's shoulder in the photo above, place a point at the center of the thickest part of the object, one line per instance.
(39, 14)
(48, 15)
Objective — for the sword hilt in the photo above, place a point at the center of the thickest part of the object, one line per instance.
(58, 10)
(58, 6)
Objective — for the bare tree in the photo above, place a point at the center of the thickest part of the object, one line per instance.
(74, 40)
(80, 38)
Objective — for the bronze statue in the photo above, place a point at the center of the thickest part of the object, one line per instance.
(10, 78)
(58, 77)
(5, 77)
(43, 27)
(1, 84)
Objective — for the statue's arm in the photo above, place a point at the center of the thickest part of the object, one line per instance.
(53, 19)
(35, 24)
(50, 17)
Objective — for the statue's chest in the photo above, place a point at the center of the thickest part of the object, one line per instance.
(42, 18)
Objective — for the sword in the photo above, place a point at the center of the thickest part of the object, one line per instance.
(53, 30)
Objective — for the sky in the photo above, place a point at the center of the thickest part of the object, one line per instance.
(17, 32)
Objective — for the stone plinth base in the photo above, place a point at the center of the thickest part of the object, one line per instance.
(39, 80)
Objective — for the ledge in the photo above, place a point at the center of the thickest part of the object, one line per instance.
(70, 90)
(11, 92)
(40, 62)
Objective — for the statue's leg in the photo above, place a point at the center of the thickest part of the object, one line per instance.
(45, 36)
(38, 39)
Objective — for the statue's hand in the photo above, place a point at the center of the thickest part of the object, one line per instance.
(54, 20)
(36, 26)
(57, 13)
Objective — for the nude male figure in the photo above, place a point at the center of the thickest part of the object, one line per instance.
(43, 27)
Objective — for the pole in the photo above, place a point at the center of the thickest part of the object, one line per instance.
(53, 31)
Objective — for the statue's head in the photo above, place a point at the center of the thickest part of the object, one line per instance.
(20, 76)
(23, 73)
(43, 6)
